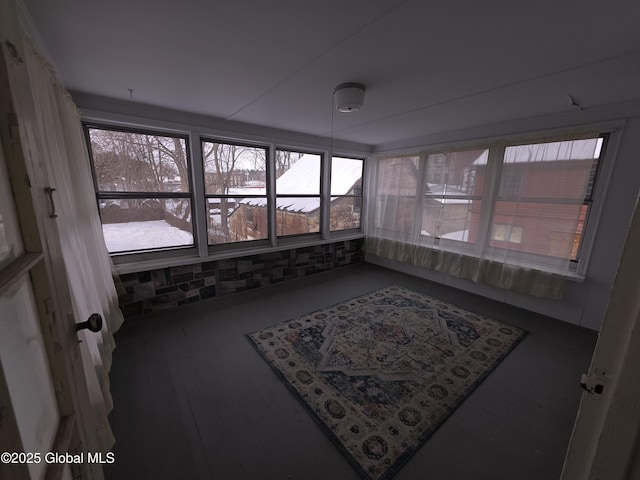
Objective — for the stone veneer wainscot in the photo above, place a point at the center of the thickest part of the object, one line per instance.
(154, 290)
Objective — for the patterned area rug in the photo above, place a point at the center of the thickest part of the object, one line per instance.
(382, 371)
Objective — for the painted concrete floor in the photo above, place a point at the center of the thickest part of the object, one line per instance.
(194, 400)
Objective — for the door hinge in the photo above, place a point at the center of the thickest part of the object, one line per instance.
(13, 127)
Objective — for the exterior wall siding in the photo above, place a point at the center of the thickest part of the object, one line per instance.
(548, 229)
(155, 290)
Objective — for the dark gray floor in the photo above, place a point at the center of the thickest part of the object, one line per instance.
(194, 400)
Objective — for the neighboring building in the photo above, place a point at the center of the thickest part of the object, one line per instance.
(220, 229)
(541, 194)
(301, 214)
(445, 217)
(539, 207)
(394, 205)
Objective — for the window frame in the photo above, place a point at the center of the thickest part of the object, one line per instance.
(322, 226)
(589, 200)
(355, 196)
(200, 251)
(539, 259)
(243, 244)
(423, 172)
(492, 194)
(171, 251)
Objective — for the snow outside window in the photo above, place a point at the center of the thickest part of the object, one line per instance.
(298, 200)
(522, 205)
(143, 189)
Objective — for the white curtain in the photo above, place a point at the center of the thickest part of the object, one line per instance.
(53, 141)
(505, 215)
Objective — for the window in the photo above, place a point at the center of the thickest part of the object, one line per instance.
(518, 203)
(542, 190)
(346, 193)
(507, 233)
(234, 195)
(298, 200)
(452, 196)
(235, 178)
(143, 189)
(393, 206)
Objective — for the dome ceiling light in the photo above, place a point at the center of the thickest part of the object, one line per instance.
(349, 97)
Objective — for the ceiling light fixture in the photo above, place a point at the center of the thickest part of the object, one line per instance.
(349, 97)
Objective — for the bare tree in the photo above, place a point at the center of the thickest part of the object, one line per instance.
(136, 162)
(227, 166)
(284, 160)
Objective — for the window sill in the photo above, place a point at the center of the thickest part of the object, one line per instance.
(575, 277)
(135, 266)
(467, 251)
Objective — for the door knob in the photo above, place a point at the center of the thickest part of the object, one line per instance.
(94, 323)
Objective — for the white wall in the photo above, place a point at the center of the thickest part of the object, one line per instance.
(613, 226)
(604, 444)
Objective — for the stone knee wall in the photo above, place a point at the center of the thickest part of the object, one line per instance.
(154, 290)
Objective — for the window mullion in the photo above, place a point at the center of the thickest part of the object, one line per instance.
(325, 195)
(364, 194)
(420, 192)
(491, 187)
(199, 205)
(271, 194)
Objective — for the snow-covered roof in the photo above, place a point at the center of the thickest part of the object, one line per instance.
(546, 152)
(345, 172)
(257, 190)
(303, 204)
(303, 178)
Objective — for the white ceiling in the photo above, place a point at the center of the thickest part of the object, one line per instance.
(428, 66)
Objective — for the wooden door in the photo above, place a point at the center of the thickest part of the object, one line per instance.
(44, 402)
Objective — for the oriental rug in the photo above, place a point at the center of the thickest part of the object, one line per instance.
(382, 371)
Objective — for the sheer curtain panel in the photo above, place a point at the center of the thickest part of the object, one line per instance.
(507, 215)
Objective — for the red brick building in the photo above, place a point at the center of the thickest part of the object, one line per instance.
(539, 208)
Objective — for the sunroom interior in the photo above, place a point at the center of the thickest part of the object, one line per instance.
(494, 158)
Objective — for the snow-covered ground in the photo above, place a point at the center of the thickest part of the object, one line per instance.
(122, 237)
(460, 235)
